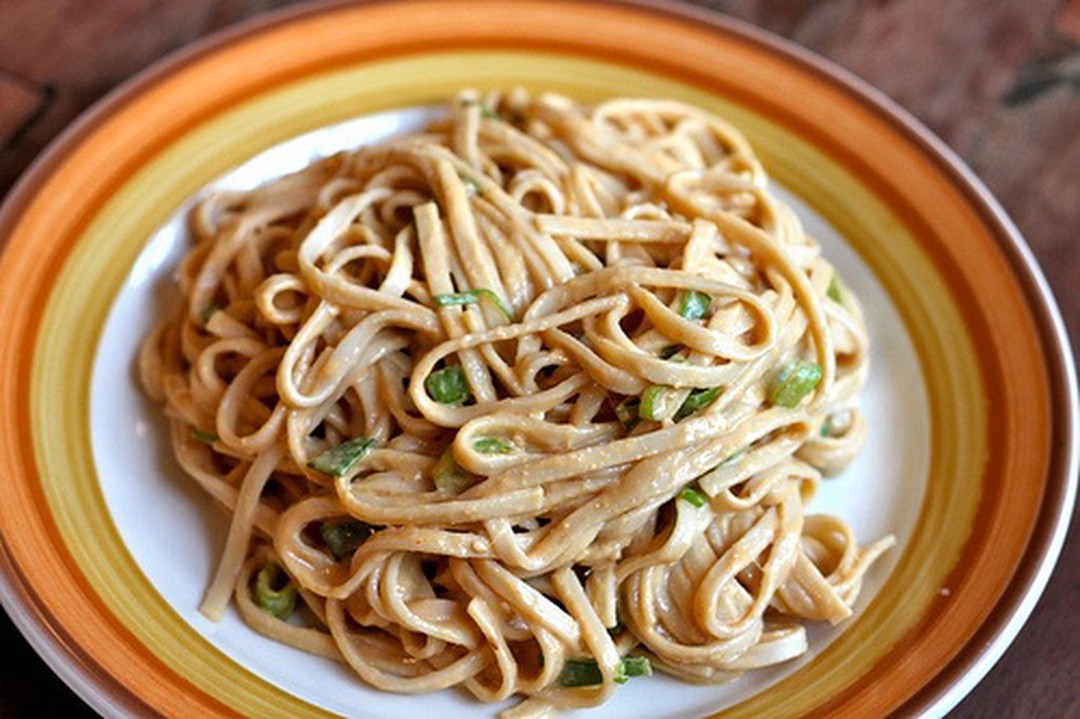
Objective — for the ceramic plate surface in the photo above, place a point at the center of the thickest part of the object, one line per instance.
(107, 546)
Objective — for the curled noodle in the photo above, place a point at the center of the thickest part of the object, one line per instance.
(568, 240)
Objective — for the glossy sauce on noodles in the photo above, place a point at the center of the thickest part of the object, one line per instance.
(528, 403)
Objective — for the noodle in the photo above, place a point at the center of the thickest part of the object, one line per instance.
(528, 404)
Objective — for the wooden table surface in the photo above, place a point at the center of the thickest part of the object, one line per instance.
(998, 81)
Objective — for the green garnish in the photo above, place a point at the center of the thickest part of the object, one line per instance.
(696, 400)
(794, 382)
(835, 291)
(449, 476)
(280, 602)
(339, 460)
(627, 411)
(736, 455)
(471, 186)
(342, 537)
(649, 399)
(485, 111)
(586, 672)
(670, 351)
(580, 673)
(493, 445)
(208, 312)
(694, 305)
(637, 666)
(470, 297)
(826, 427)
(448, 385)
(203, 436)
(694, 497)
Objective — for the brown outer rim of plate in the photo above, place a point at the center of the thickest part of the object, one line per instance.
(976, 657)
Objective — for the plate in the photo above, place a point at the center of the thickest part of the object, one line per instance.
(971, 460)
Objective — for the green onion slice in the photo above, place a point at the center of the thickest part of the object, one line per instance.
(835, 291)
(339, 460)
(586, 672)
(470, 297)
(448, 385)
(794, 381)
(580, 673)
(449, 475)
(343, 537)
(697, 400)
(736, 455)
(670, 351)
(279, 602)
(204, 436)
(637, 666)
(208, 312)
(694, 497)
(472, 187)
(650, 400)
(694, 305)
(493, 445)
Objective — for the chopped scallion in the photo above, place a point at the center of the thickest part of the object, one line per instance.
(826, 427)
(694, 497)
(204, 436)
(670, 351)
(650, 400)
(208, 312)
(485, 111)
(835, 291)
(794, 381)
(470, 297)
(342, 537)
(493, 445)
(637, 666)
(340, 459)
(696, 400)
(448, 385)
(472, 187)
(694, 305)
(449, 476)
(580, 673)
(280, 602)
(586, 672)
(736, 455)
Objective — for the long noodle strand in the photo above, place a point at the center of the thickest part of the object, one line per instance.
(562, 380)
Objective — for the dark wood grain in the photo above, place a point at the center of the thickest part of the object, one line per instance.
(998, 81)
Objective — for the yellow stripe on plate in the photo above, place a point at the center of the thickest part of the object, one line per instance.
(92, 275)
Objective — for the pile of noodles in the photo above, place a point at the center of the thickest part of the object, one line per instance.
(608, 304)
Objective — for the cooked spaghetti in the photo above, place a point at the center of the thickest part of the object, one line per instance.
(529, 403)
